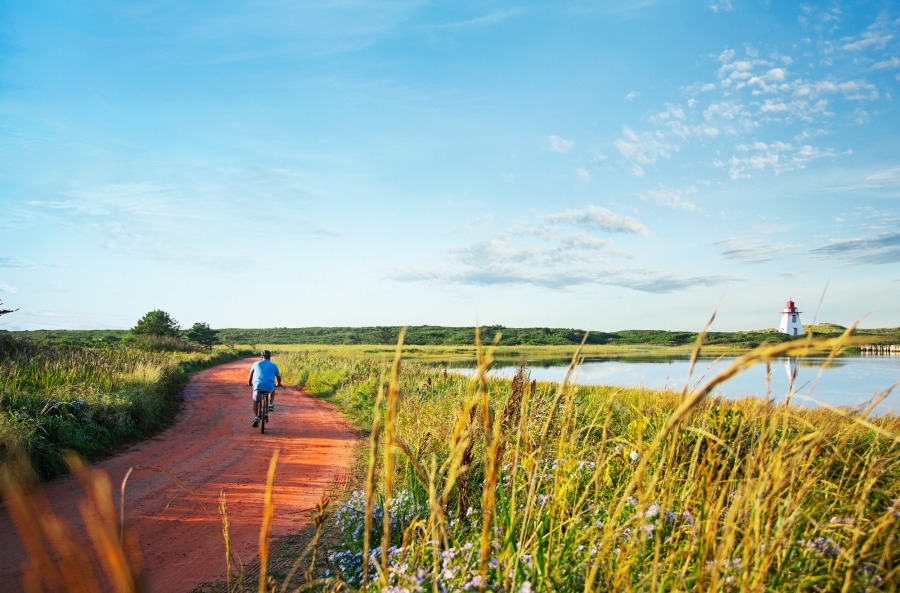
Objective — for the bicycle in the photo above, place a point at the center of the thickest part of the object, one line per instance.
(264, 410)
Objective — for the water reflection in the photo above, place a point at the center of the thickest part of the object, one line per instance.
(846, 381)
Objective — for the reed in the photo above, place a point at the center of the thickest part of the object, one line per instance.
(603, 488)
(56, 561)
(265, 531)
(87, 400)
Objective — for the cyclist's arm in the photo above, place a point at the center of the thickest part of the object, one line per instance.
(250, 380)
(278, 379)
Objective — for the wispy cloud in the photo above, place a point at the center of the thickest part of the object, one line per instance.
(869, 38)
(777, 156)
(723, 5)
(7, 288)
(672, 198)
(881, 179)
(880, 249)
(9, 262)
(560, 145)
(644, 148)
(893, 62)
(489, 19)
(550, 255)
(583, 174)
(640, 279)
(749, 252)
(598, 217)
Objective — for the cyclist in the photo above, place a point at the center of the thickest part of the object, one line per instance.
(263, 377)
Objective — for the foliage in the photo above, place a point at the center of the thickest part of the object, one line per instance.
(524, 486)
(202, 334)
(157, 323)
(87, 400)
(5, 311)
(458, 336)
(156, 343)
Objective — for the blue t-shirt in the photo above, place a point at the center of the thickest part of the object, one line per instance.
(264, 373)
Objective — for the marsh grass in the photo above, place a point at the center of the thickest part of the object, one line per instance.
(487, 485)
(523, 486)
(87, 400)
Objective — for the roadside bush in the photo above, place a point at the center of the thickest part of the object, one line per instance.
(88, 400)
(149, 343)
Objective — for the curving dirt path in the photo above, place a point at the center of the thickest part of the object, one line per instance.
(211, 448)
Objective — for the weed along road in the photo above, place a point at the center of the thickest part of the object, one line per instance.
(211, 448)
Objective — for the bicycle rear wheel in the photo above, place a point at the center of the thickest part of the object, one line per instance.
(263, 414)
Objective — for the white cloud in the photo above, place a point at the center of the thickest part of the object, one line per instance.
(559, 145)
(7, 288)
(771, 156)
(598, 217)
(583, 174)
(894, 62)
(752, 252)
(723, 5)
(631, 96)
(637, 171)
(726, 56)
(852, 89)
(671, 197)
(882, 179)
(868, 38)
(888, 177)
(508, 177)
(643, 148)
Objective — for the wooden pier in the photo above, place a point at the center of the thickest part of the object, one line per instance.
(884, 349)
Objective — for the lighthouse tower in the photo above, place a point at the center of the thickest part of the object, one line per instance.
(790, 320)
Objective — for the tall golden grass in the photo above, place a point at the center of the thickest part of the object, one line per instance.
(596, 489)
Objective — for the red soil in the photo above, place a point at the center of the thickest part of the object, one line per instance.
(211, 448)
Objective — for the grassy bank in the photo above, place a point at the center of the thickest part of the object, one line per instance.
(522, 486)
(88, 400)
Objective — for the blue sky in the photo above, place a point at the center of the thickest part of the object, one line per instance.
(608, 165)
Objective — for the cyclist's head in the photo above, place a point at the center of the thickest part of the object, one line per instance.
(267, 354)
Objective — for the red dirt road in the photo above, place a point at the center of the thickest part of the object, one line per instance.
(211, 448)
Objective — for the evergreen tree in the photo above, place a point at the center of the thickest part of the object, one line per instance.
(157, 323)
(204, 335)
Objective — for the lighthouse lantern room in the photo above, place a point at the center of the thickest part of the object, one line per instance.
(790, 320)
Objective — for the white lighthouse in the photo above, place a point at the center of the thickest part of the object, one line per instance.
(790, 320)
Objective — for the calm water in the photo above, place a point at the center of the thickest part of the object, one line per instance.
(848, 381)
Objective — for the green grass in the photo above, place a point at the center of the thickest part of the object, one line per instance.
(521, 486)
(90, 400)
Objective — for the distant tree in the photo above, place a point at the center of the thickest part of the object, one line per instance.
(230, 341)
(5, 311)
(203, 335)
(157, 323)
(384, 335)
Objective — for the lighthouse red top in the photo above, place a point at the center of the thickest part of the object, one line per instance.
(790, 307)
